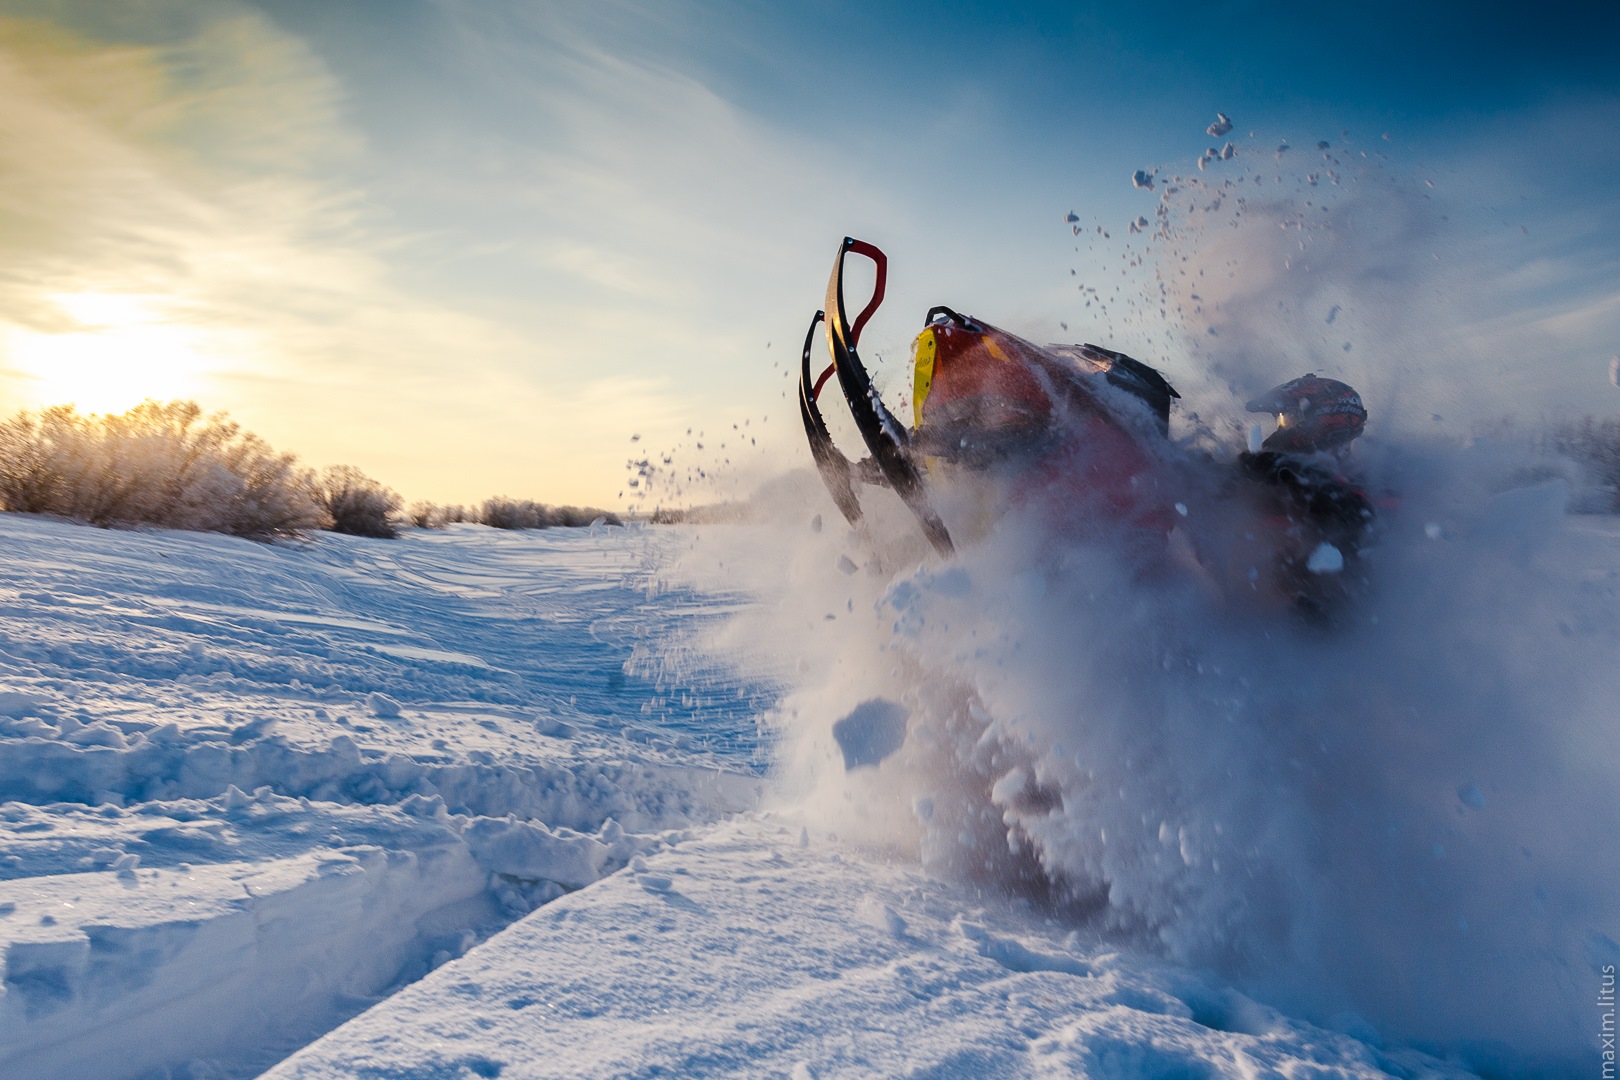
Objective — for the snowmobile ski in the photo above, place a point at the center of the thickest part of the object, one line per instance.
(885, 438)
(837, 473)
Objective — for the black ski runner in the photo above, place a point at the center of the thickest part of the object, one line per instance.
(834, 467)
(884, 436)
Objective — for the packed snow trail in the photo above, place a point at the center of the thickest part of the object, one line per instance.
(249, 789)
(766, 949)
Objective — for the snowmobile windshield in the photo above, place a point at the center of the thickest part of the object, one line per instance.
(980, 394)
(977, 392)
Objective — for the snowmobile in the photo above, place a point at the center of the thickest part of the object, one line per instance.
(1082, 432)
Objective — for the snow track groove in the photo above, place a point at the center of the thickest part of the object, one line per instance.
(247, 791)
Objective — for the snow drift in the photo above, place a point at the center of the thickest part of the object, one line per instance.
(247, 791)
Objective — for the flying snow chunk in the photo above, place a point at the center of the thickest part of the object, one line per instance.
(1227, 152)
(1221, 126)
(1256, 438)
(1142, 179)
(1470, 795)
(1326, 559)
(871, 732)
(1614, 371)
(1071, 217)
(1139, 225)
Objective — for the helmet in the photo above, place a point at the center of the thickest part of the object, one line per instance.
(1312, 414)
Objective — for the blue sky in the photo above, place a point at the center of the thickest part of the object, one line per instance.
(476, 247)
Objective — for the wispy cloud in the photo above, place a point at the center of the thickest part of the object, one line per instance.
(474, 246)
(194, 190)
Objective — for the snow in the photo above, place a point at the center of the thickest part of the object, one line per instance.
(755, 800)
(744, 953)
(1326, 559)
(1276, 809)
(249, 789)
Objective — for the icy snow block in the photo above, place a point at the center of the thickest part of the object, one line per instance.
(1326, 559)
(870, 733)
(531, 852)
(382, 706)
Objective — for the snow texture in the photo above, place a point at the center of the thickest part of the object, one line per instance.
(743, 953)
(250, 790)
(216, 847)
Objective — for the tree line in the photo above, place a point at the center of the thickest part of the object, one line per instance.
(171, 465)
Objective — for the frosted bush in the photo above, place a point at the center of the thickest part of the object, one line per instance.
(505, 513)
(430, 515)
(357, 504)
(164, 464)
(426, 515)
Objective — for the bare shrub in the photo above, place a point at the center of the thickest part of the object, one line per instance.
(426, 515)
(579, 516)
(506, 513)
(357, 504)
(501, 512)
(727, 513)
(430, 515)
(164, 464)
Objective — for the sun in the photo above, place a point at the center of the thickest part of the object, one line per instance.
(119, 350)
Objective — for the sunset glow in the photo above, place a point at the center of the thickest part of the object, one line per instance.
(122, 352)
(439, 240)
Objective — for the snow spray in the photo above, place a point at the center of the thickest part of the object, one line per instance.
(1405, 826)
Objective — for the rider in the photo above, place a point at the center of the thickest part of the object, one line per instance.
(1301, 472)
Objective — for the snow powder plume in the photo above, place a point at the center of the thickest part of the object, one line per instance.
(1401, 826)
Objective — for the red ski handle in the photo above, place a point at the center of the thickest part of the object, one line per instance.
(881, 261)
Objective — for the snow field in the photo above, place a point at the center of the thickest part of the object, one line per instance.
(246, 791)
(469, 792)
